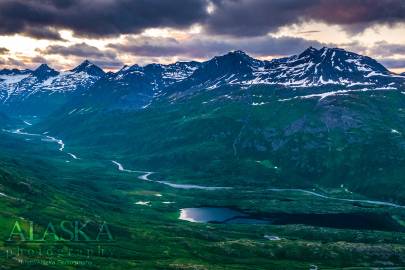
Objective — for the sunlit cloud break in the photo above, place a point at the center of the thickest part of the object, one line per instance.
(114, 33)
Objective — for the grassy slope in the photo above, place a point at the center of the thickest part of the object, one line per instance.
(217, 140)
(213, 140)
(153, 238)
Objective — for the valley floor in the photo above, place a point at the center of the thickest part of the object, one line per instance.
(44, 181)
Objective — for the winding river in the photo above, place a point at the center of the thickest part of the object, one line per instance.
(334, 198)
(43, 137)
(145, 176)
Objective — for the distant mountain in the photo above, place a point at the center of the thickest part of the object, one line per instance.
(156, 75)
(44, 89)
(311, 68)
(44, 72)
(15, 72)
(322, 118)
(234, 67)
(325, 66)
(89, 68)
(136, 87)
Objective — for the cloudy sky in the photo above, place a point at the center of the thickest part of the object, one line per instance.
(112, 33)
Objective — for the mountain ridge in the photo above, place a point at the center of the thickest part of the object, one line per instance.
(224, 122)
(44, 89)
(264, 72)
(137, 86)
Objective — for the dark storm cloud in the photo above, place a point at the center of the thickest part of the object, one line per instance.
(103, 58)
(358, 11)
(107, 64)
(99, 18)
(151, 47)
(80, 50)
(37, 60)
(42, 33)
(253, 17)
(231, 17)
(393, 63)
(258, 17)
(207, 47)
(13, 63)
(384, 49)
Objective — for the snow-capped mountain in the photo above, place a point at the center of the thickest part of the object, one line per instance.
(9, 80)
(136, 86)
(81, 77)
(10, 72)
(43, 72)
(88, 68)
(325, 66)
(157, 75)
(233, 68)
(311, 68)
(21, 84)
(44, 88)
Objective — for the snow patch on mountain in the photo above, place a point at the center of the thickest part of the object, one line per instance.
(22, 84)
(311, 68)
(336, 93)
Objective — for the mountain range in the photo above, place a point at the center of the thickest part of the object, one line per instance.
(321, 118)
(310, 146)
(44, 89)
(41, 90)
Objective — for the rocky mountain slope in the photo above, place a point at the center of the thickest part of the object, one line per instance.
(311, 68)
(136, 87)
(44, 89)
(235, 120)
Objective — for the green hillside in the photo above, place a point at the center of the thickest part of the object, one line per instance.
(220, 138)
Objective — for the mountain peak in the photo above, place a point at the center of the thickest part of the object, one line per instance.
(89, 68)
(238, 52)
(311, 51)
(324, 52)
(128, 69)
(233, 58)
(86, 63)
(44, 72)
(327, 49)
(43, 67)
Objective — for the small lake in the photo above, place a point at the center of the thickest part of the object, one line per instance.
(357, 221)
(217, 215)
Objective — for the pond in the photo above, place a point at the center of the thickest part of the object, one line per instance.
(358, 221)
(218, 215)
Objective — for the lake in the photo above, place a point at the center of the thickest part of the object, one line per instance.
(218, 215)
(358, 221)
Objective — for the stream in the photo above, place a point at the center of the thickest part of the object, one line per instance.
(145, 176)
